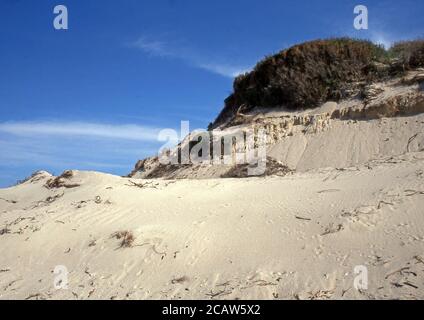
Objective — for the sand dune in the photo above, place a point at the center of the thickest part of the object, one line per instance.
(293, 237)
(348, 202)
(389, 122)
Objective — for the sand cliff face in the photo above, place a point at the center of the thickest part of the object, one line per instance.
(309, 74)
(385, 120)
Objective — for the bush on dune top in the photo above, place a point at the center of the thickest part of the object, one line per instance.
(308, 74)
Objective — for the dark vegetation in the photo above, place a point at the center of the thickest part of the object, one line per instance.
(126, 238)
(61, 181)
(308, 74)
(34, 177)
(273, 167)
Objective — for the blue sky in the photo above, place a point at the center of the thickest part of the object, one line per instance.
(93, 97)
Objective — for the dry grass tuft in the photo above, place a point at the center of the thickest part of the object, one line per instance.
(4, 230)
(127, 238)
(34, 177)
(273, 167)
(60, 181)
(180, 280)
(410, 54)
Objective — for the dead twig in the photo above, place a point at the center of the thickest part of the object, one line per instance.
(344, 291)
(91, 293)
(5, 230)
(148, 184)
(383, 202)
(48, 200)
(394, 272)
(92, 243)
(328, 190)
(219, 293)
(413, 192)
(9, 201)
(179, 280)
(321, 294)
(11, 284)
(88, 272)
(302, 218)
(410, 140)
(34, 295)
(410, 284)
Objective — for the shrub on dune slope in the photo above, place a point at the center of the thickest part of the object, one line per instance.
(410, 53)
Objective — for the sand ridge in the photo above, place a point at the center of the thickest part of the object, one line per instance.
(293, 237)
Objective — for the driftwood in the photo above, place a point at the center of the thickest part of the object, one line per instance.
(148, 184)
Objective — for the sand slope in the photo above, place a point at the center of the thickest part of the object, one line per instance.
(298, 236)
(388, 121)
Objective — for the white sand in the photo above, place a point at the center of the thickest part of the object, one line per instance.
(356, 198)
(220, 238)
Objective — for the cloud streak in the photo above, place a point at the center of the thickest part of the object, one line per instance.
(95, 130)
(166, 50)
(223, 70)
(156, 48)
(56, 145)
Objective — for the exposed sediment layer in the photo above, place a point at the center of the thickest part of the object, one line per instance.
(386, 121)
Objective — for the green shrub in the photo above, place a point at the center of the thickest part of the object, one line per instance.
(410, 53)
(308, 74)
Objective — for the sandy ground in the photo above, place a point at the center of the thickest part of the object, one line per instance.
(294, 237)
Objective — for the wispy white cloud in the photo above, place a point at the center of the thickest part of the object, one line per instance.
(224, 70)
(108, 131)
(152, 47)
(56, 145)
(188, 55)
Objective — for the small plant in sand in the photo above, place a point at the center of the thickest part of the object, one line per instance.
(61, 181)
(180, 280)
(127, 238)
(4, 230)
(34, 177)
